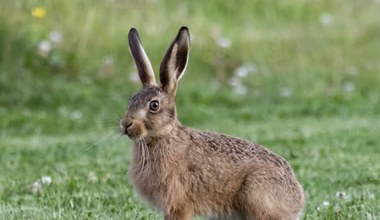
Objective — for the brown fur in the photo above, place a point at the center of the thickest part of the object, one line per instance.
(184, 172)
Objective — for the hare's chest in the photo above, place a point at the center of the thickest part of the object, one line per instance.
(147, 181)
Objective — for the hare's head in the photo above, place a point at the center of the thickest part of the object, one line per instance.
(152, 112)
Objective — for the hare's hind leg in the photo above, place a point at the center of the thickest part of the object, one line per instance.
(258, 204)
(268, 198)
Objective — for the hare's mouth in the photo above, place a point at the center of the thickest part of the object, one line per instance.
(134, 136)
(133, 131)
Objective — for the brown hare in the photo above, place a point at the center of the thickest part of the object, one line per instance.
(184, 172)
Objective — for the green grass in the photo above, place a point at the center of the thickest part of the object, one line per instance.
(313, 96)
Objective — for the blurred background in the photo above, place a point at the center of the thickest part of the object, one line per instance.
(257, 69)
(65, 65)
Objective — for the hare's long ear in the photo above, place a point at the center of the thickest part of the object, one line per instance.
(144, 68)
(174, 62)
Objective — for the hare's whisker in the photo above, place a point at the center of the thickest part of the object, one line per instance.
(100, 141)
(114, 141)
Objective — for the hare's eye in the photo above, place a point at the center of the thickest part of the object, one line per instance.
(154, 105)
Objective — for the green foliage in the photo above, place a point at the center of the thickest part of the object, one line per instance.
(301, 77)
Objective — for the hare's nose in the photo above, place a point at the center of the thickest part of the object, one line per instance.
(124, 125)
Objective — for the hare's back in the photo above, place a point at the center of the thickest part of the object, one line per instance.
(245, 156)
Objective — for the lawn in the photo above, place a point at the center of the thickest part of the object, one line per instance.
(300, 77)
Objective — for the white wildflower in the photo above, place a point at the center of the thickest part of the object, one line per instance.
(370, 216)
(223, 42)
(371, 196)
(237, 86)
(326, 19)
(46, 180)
(134, 77)
(215, 85)
(240, 89)
(234, 81)
(286, 92)
(337, 209)
(349, 87)
(92, 178)
(244, 70)
(306, 132)
(325, 203)
(76, 115)
(107, 177)
(44, 48)
(55, 37)
(37, 187)
(352, 70)
(342, 195)
(107, 66)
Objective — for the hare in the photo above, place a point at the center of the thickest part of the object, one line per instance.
(184, 172)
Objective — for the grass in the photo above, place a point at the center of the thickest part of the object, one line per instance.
(310, 94)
